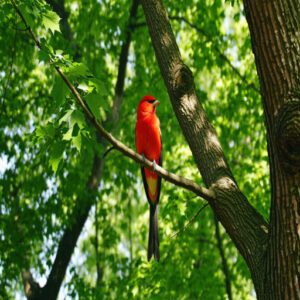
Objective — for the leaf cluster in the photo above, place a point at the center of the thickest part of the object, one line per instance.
(47, 149)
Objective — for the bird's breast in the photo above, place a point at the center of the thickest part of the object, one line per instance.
(148, 139)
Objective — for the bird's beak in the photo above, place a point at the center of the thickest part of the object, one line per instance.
(156, 102)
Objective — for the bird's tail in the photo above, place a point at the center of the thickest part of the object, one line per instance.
(153, 241)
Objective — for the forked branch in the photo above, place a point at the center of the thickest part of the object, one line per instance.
(207, 194)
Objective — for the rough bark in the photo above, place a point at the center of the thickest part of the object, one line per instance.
(275, 34)
(244, 224)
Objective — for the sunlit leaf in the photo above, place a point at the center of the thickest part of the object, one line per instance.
(51, 21)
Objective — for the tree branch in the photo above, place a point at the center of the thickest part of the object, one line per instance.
(38, 44)
(223, 259)
(31, 287)
(217, 50)
(190, 221)
(244, 224)
(206, 194)
(70, 236)
(119, 87)
(188, 184)
(82, 208)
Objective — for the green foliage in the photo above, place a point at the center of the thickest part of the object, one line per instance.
(51, 21)
(47, 149)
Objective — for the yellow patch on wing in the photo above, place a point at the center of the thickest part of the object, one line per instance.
(152, 184)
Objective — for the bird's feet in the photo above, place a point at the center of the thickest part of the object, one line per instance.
(143, 158)
(154, 164)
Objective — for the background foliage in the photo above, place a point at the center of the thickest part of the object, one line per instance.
(46, 150)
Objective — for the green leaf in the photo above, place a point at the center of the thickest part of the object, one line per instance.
(43, 55)
(5, 10)
(51, 21)
(78, 69)
(45, 132)
(93, 101)
(77, 142)
(77, 117)
(74, 135)
(56, 155)
(68, 135)
(84, 87)
(59, 91)
(27, 14)
(65, 117)
(99, 85)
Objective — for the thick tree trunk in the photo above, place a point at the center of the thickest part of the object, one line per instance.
(273, 256)
(244, 224)
(275, 33)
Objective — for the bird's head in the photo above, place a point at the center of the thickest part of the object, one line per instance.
(147, 105)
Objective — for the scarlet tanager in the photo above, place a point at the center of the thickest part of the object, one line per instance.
(148, 144)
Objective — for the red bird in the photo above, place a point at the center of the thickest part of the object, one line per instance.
(148, 144)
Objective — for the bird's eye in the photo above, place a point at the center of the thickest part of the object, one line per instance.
(151, 101)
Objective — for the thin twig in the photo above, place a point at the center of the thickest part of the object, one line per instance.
(13, 53)
(26, 25)
(173, 178)
(108, 151)
(223, 259)
(189, 222)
